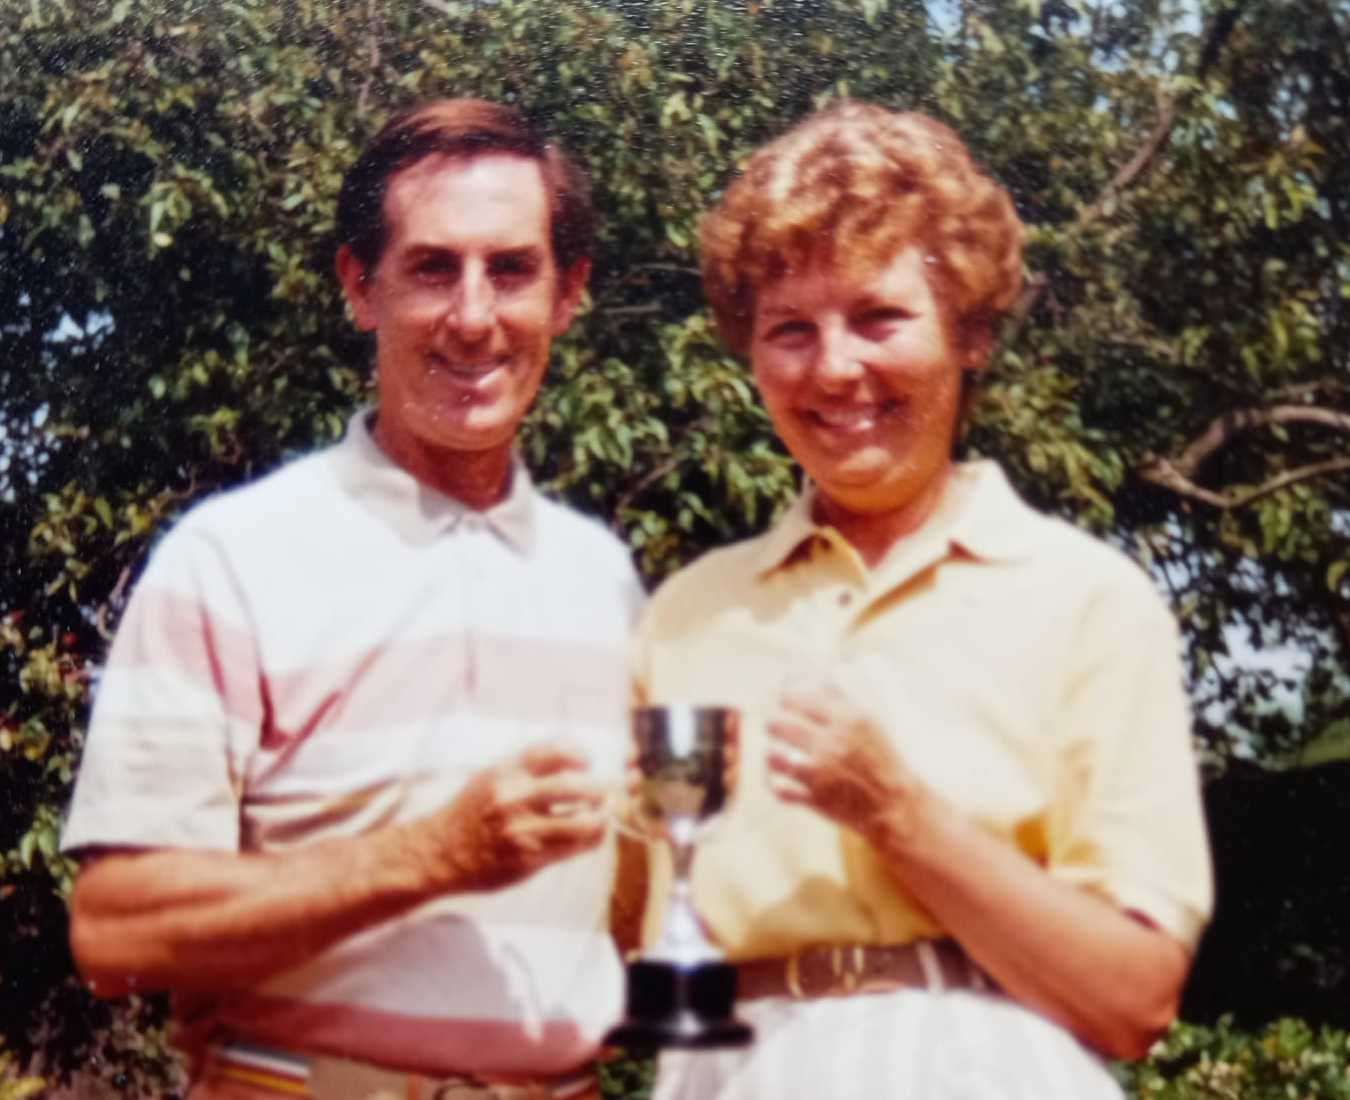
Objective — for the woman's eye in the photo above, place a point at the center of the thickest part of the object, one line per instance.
(883, 317)
(789, 332)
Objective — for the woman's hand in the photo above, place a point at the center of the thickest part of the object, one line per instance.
(1070, 954)
(827, 754)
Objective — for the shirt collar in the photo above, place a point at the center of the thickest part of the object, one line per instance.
(419, 513)
(979, 514)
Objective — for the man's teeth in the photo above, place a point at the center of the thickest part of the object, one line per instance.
(465, 370)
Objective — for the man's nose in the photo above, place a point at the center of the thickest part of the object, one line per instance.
(473, 307)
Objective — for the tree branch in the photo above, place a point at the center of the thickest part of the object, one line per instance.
(1223, 428)
(1161, 471)
(1178, 474)
(1125, 176)
(1220, 31)
(631, 311)
(660, 470)
(440, 6)
(372, 30)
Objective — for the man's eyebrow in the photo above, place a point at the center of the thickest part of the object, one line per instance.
(422, 251)
(522, 252)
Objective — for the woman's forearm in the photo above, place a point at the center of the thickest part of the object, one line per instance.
(1110, 978)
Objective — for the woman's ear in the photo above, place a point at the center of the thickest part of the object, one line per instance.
(976, 344)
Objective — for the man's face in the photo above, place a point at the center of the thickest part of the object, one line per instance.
(862, 379)
(464, 301)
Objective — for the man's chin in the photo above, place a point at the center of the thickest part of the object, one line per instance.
(468, 443)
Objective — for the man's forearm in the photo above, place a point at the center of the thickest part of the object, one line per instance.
(194, 920)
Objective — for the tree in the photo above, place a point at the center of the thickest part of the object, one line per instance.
(1175, 376)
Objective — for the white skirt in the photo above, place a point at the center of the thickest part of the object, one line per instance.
(912, 1044)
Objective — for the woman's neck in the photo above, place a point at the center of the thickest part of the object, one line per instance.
(872, 534)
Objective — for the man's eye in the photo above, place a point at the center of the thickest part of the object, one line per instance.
(513, 267)
(435, 267)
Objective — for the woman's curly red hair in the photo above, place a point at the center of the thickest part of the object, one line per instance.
(854, 184)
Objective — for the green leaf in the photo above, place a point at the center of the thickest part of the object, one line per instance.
(1336, 574)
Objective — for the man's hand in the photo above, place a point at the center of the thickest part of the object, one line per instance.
(826, 754)
(517, 817)
(199, 920)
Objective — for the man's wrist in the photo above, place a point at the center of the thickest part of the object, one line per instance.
(421, 855)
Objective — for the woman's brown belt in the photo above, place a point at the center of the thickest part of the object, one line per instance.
(839, 970)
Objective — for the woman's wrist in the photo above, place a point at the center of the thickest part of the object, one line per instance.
(908, 825)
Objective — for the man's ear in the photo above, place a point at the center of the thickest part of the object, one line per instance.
(571, 286)
(353, 275)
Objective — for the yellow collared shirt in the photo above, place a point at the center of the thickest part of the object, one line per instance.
(1026, 671)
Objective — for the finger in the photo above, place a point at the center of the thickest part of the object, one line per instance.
(786, 729)
(551, 834)
(790, 790)
(566, 789)
(813, 706)
(553, 757)
(790, 763)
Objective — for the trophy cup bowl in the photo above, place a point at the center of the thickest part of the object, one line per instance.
(681, 992)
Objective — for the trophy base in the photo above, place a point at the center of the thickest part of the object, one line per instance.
(674, 1006)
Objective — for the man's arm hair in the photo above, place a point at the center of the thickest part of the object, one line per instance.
(193, 920)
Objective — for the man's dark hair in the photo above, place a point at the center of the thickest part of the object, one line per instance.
(462, 128)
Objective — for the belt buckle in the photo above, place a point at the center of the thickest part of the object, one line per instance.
(463, 1088)
(847, 972)
(471, 1089)
(848, 968)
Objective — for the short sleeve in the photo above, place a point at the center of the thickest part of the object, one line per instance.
(177, 709)
(1128, 820)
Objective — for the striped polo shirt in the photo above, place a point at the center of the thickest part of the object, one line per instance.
(337, 648)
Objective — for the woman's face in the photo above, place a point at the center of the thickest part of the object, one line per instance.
(862, 379)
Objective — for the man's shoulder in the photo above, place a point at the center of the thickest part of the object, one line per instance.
(260, 519)
(567, 534)
(298, 493)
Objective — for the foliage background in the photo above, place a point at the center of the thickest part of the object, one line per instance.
(1176, 377)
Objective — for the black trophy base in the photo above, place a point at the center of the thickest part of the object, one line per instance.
(680, 1007)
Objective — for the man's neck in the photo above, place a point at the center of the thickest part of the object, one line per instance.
(478, 479)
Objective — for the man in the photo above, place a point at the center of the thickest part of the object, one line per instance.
(343, 791)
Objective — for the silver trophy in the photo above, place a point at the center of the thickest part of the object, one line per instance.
(681, 993)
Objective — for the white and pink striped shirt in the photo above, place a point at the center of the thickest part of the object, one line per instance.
(337, 648)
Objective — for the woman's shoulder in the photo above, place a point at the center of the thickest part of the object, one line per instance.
(709, 581)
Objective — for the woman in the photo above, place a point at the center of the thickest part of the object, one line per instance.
(967, 856)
